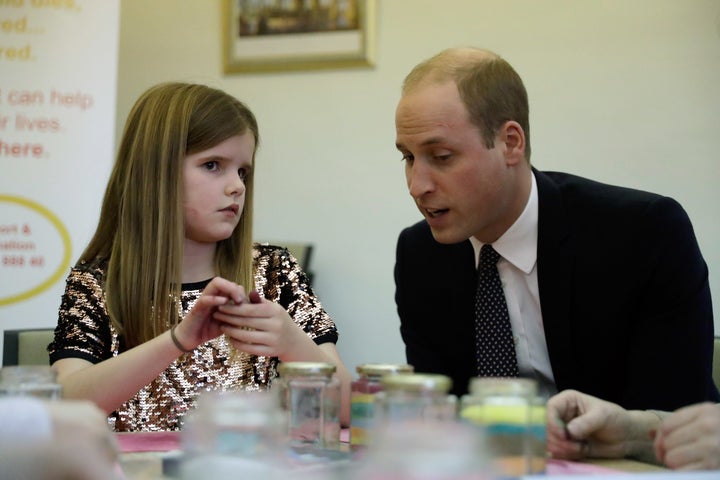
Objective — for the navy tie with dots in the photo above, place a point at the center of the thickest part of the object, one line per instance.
(494, 343)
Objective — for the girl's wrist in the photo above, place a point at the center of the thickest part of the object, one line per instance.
(178, 344)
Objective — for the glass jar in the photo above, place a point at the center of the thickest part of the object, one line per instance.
(503, 408)
(310, 395)
(424, 450)
(538, 435)
(362, 397)
(411, 397)
(232, 433)
(30, 380)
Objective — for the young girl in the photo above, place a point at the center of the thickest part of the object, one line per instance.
(160, 307)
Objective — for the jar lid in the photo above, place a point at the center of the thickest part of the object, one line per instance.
(499, 386)
(379, 369)
(306, 368)
(417, 382)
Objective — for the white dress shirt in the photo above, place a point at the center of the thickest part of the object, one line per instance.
(518, 275)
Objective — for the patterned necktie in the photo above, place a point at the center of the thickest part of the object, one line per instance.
(494, 343)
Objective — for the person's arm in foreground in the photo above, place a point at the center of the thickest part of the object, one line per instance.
(55, 440)
(689, 438)
(581, 426)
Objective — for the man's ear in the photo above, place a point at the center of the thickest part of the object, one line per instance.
(512, 136)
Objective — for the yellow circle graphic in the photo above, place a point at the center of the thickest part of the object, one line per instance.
(67, 248)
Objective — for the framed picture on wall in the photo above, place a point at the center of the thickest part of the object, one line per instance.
(279, 35)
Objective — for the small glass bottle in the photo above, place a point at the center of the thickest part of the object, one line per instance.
(362, 398)
(411, 397)
(310, 394)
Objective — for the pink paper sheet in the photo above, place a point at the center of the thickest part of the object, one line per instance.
(165, 441)
(566, 467)
(148, 441)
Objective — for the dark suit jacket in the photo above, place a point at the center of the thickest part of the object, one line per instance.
(623, 288)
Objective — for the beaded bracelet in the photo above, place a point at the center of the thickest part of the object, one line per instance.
(177, 342)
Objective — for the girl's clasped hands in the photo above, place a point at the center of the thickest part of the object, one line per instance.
(251, 323)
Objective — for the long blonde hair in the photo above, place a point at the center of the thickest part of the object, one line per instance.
(141, 228)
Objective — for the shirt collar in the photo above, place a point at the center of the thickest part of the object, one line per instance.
(518, 245)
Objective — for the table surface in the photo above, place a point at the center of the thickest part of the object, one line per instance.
(625, 465)
(148, 465)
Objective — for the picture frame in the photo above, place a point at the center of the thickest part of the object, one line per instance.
(287, 35)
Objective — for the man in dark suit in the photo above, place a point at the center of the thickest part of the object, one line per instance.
(607, 291)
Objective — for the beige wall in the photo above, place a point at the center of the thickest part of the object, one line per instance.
(625, 91)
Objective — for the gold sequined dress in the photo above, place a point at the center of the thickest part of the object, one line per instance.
(85, 331)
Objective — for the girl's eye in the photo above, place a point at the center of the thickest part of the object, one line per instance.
(243, 173)
(212, 165)
(407, 158)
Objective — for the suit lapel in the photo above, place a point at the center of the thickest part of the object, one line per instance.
(555, 277)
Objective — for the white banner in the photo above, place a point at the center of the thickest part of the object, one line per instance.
(58, 73)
